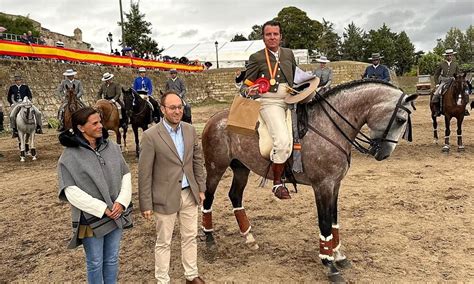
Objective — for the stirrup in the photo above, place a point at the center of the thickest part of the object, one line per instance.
(280, 191)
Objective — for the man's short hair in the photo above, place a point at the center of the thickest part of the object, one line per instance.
(166, 94)
(271, 23)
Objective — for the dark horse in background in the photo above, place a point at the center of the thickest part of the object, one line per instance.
(453, 105)
(325, 153)
(139, 112)
(72, 104)
(111, 120)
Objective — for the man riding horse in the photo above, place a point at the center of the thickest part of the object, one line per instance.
(112, 92)
(68, 83)
(16, 94)
(443, 75)
(143, 86)
(278, 65)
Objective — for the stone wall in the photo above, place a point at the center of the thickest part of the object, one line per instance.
(43, 77)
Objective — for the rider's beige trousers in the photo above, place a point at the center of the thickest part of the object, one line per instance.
(273, 112)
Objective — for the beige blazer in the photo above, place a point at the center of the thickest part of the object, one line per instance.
(160, 170)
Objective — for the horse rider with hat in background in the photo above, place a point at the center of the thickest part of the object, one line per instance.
(278, 65)
(144, 87)
(112, 92)
(70, 82)
(324, 73)
(376, 70)
(15, 95)
(443, 74)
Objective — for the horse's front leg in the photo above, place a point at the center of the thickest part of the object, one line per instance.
(137, 140)
(21, 137)
(124, 138)
(459, 132)
(32, 146)
(447, 121)
(339, 257)
(435, 129)
(119, 137)
(324, 195)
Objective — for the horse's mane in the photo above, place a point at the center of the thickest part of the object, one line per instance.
(351, 84)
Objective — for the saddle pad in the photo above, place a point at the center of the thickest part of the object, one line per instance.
(265, 141)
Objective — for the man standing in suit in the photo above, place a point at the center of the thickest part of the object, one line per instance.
(278, 65)
(171, 184)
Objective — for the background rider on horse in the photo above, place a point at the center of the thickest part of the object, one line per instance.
(112, 92)
(144, 86)
(16, 94)
(443, 74)
(70, 82)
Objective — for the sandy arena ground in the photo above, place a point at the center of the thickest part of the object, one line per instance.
(406, 219)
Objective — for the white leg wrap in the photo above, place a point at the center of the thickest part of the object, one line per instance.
(237, 208)
(206, 230)
(321, 237)
(206, 211)
(335, 226)
(246, 232)
(325, 256)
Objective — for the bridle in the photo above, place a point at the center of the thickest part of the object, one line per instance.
(374, 144)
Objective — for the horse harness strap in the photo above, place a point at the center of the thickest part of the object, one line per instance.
(348, 155)
(392, 119)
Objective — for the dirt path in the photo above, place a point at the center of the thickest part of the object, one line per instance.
(409, 218)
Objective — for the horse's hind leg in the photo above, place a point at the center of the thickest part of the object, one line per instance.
(459, 132)
(33, 148)
(214, 175)
(236, 193)
(119, 137)
(21, 137)
(124, 136)
(137, 140)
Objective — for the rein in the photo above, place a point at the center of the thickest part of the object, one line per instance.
(374, 144)
(143, 108)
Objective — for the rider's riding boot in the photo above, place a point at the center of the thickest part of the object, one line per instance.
(279, 188)
(14, 133)
(437, 109)
(39, 129)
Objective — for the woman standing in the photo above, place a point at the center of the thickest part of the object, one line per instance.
(95, 180)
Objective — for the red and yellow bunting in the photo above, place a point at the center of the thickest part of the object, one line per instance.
(42, 51)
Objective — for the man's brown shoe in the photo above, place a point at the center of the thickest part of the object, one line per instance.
(197, 280)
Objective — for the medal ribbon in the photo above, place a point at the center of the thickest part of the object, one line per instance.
(274, 71)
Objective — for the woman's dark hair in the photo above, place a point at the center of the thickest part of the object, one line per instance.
(271, 23)
(80, 117)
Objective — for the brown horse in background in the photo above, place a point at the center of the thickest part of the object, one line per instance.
(455, 92)
(73, 104)
(111, 120)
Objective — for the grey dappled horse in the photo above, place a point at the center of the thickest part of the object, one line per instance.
(333, 123)
(26, 125)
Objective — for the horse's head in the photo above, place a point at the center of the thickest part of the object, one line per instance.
(388, 122)
(128, 100)
(460, 85)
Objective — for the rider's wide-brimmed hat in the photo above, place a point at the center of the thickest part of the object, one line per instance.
(449, 51)
(69, 72)
(107, 76)
(17, 77)
(375, 56)
(322, 59)
(303, 92)
(141, 69)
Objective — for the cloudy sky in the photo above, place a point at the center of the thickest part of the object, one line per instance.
(191, 21)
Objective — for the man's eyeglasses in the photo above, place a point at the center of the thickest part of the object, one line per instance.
(173, 108)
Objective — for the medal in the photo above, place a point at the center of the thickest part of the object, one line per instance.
(270, 70)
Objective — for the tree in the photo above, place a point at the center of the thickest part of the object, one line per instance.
(405, 53)
(239, 37)
(18, 25)
(383, 41)
(256, 33)
(428, 63)
(353, 46)
(137, 30)
(329, 42)
(299, 31)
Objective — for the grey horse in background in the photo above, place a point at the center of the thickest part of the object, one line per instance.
(26, 125)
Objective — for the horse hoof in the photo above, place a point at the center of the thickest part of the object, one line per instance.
(461, 148)
(343, 263)
(445, 148)
(34, 158)
(22, 159)
(435, 141)
(336, 278)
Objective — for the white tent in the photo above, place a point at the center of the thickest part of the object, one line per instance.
(231, 54)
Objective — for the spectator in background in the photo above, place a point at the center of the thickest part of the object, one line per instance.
(376, 70)
(30, 38)
(24, 38)
(324, 73)
(41, 40)
(117, 52)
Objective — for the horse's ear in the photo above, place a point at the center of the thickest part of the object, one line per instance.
(411, 98)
